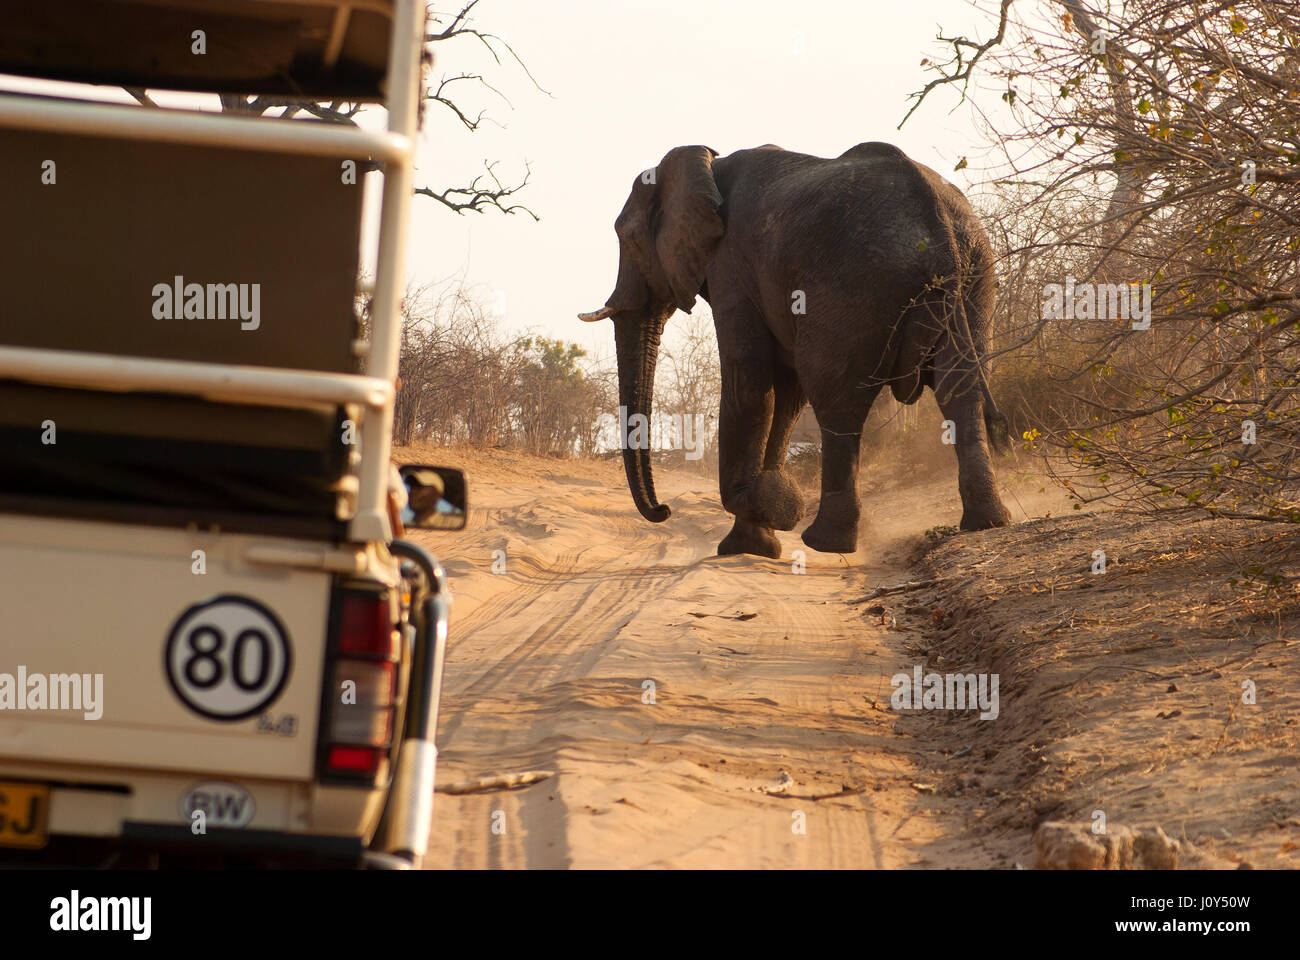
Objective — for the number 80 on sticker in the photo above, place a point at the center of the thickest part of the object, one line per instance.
(228, 658)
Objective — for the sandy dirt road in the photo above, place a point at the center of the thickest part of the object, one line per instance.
(693, 710)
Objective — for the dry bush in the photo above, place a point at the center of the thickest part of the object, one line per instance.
(1168, 156)
(464, 381)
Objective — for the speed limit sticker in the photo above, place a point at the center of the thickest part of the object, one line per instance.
(228, 658)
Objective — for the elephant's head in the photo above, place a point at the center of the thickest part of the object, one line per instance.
(667, 233)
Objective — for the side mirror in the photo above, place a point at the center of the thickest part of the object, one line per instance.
(437, 497)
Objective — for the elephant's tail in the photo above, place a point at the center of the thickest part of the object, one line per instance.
(973, 277)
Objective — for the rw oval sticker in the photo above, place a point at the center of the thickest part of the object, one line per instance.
(222, 804)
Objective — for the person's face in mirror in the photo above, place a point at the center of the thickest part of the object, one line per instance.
(429, 509)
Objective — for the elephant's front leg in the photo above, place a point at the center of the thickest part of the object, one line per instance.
(789, 402)
(761, 500)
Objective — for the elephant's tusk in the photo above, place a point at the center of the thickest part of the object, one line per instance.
(602, 314)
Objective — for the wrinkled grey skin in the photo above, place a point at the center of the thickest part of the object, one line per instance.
(895, 273)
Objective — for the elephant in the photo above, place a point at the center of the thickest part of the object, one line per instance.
(828, 279)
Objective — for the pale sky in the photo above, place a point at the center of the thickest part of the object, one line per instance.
(631, 79)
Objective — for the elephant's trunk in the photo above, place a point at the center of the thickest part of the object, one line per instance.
(636, 340)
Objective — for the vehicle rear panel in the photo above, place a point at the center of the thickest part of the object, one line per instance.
(106, 600)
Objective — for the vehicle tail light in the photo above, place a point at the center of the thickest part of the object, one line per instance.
(366, 625)
(365, 701)
(360, 695)
(355, 760)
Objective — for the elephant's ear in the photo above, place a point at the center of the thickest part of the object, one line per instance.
(690, 225)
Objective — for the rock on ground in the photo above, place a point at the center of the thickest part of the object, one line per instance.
(1073, 846)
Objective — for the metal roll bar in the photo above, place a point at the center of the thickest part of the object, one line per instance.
(394, 147)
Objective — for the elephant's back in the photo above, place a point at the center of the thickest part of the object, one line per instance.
(871, 202)
(875, 150)
(802, 220)
(905, 205)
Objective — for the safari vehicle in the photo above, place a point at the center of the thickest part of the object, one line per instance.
(214, 649)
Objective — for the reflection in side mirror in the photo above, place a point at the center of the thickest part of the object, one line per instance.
(437, 497)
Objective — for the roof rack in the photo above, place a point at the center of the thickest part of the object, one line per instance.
(313, 49)
(328, 47)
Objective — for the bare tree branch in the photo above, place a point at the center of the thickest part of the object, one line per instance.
(486, 191)
(961, 68)
(479, 196)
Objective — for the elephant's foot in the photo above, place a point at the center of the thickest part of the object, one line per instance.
(774, 500)
(836, 528)
(983, 517)
(746, 537)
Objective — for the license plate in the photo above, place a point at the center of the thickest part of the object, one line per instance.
(24, 812)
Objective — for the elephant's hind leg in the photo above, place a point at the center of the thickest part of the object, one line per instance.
(835, 529)
(962, 401)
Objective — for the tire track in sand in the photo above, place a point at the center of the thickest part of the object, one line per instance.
(546, 672)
